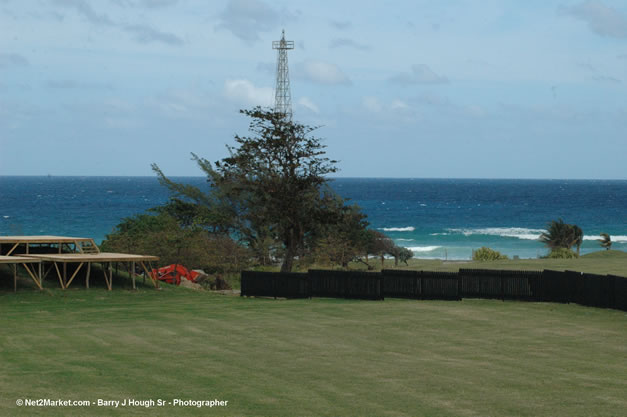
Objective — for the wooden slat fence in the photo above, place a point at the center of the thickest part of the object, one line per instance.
(500, 284)
(271, 284)
(346, 284)
(605, 291)
(440, 285)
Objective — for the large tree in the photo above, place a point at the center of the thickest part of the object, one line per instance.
(273, 186)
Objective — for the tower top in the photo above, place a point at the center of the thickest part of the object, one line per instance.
(283, 44)
(282, 94)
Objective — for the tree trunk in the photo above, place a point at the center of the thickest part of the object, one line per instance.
(290, 252)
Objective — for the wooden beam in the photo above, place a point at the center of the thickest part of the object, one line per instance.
(32, 276)
(154, 281)
(59, 275)
(14, 278)
(104, 271)
(133, 274)
(13, 248)
(47, 272)
(88, 273)
(75, 272)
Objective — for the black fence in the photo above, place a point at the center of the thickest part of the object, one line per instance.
(421, 284)
(272, 284)
(500, 284)
(605, 291)
(346, 284)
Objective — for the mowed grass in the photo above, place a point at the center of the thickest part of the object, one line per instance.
(602, 262)
(309, 357)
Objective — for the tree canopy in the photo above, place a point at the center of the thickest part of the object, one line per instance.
(562, 235)
(273, 187)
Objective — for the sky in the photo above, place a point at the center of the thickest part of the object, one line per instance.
(418, 89)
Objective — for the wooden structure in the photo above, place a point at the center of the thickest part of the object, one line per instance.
(23, 244)
(14, 261)
(57, 252)
(60, 263)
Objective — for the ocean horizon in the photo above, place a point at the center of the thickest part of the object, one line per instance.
(437, 218)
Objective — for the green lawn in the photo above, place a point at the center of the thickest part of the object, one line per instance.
(309, 357)
(601, 262)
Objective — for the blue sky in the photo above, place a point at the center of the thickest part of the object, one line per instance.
(447, 89)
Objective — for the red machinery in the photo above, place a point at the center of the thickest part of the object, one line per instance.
(172, 274)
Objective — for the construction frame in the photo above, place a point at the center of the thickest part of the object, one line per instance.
(61, 253)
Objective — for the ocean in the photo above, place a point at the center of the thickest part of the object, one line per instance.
(435, 218)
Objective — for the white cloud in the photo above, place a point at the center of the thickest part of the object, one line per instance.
(345, 42)
(147, 34)
(398, 105)
(606, 79)
(247, 18)
(141, 32)
(340, 24)
(372, 104)
(420, 74)
(394, 107)
(601, 19)
(308, 104)
(85, 9)
(8, 60)
(244, 92)
(322, 72)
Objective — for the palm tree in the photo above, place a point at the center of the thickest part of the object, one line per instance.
(606, 242)
(562, 235)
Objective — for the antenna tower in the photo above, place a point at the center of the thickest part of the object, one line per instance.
(282, 95)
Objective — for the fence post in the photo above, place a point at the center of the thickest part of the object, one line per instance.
(502, 289)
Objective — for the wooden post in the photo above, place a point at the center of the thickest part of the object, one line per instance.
(64, 275)
(133, 274)
(14, 277)
(59, 275)
(87, 277)
(75, 273)
(41, 277)
(32, 275)
(12, 249)
(110, 272)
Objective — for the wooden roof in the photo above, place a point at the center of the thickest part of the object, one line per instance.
(17, 260)
(93, 257)
(41, 239)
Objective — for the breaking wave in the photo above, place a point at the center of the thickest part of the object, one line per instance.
(515, 232)
(615, 239)
(398, 229)
(423, 248)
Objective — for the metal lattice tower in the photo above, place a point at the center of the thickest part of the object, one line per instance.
(282, 95)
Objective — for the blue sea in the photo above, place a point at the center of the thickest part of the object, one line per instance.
(435, 218)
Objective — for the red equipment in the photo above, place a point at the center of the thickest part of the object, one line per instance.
(172, 274)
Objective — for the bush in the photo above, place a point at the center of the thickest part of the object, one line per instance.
(487, 254)
(161, 235)
(562, 253)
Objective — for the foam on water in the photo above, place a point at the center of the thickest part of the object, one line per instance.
(398, 229)
(514, 232)
(423, 248)
(615, 239)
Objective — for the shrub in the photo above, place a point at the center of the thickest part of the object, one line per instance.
(562, 253)
(487, 254)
